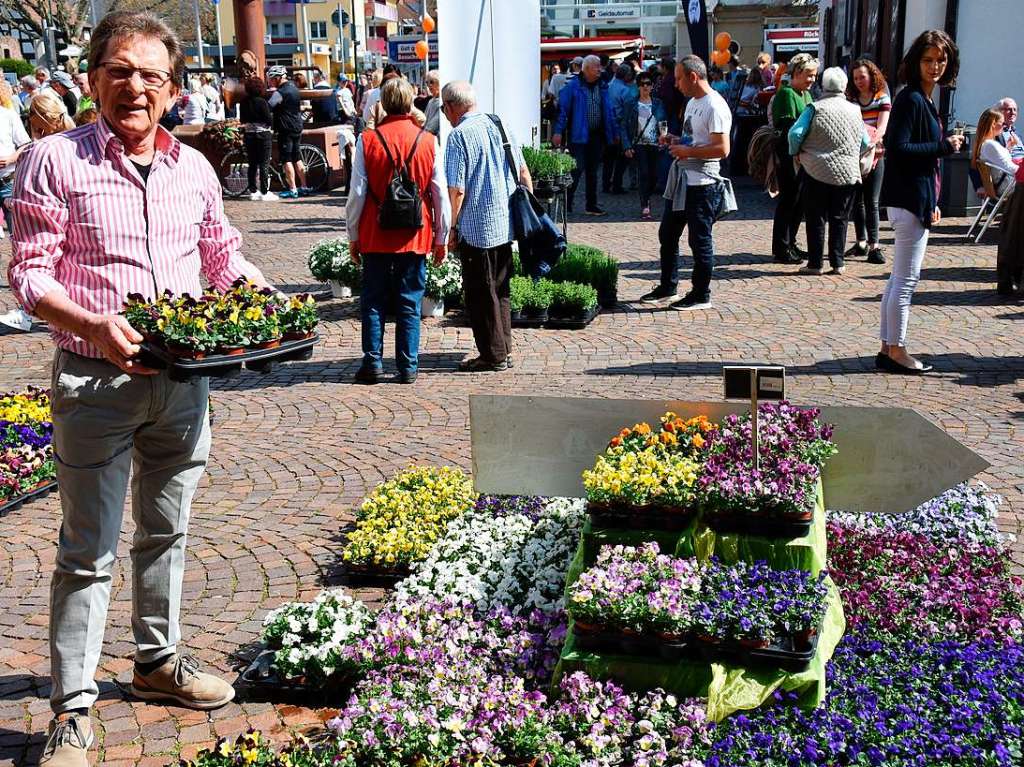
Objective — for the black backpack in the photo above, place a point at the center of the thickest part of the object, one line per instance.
(402, 206)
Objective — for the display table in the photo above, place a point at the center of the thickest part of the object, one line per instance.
(698, 540)
(727, 688)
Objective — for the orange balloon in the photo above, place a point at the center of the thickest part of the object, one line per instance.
(720, 58)
(422, 49)
(428, 24)
(722, 40)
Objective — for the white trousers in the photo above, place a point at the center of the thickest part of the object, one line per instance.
(908, 254)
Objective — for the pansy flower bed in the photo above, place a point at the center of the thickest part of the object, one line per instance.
(639, 591)
(26, 452)
(792, 449)
(245, 317)
(647, 476)
(400, 521)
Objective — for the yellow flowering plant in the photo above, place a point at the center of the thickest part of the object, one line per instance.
(649, 476)
(399, 522)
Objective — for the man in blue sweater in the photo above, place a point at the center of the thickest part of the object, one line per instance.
(586, 121)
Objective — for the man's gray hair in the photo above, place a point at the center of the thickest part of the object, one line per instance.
(29, 82)
(44, 71)
(591, 60)
(694, 65)
(459, 94)
(433, 76)
(1003, 100)
(125, 25)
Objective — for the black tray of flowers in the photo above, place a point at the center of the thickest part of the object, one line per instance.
(647, 517)
(766, 526)
(227, 365)
(372, 576)
(527, 320)
(39, 491)
(573, 323)
(604, 640)
(258, 682)
(782, 654)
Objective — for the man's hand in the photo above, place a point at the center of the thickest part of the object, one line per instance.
(117, 340)
(628, 153)
(679, 151)
(353, 252)
(556, 140)
(440, 251)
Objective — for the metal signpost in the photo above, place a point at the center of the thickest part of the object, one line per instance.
(753, 382)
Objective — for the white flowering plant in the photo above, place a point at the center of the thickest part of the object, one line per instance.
(514, 560)
(444, 281)
(331, 260)
(308, 637)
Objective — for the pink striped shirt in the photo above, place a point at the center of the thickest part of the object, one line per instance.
(86, 224)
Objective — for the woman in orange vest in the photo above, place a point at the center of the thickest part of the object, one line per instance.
(396, 173)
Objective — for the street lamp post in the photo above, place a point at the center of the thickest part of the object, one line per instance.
(220, 42)
(199, 34)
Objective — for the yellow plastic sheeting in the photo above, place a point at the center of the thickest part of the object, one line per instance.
(727, 688)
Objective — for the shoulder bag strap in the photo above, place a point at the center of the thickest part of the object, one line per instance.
(387, 151)
(509, 159)
(412, 151)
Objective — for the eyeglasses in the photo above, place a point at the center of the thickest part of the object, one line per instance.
(152, 79)
(645, 84)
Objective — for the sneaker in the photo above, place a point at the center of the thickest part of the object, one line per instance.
(797, 253)
(369, 376)
(407, 377)
(270, 197)
(838, 270)
(180, 681)
(480, 365)
(289, 194)
(68, 741)
(788, 257)
(875, 256)
(595, 211)
(509, 362)
(645, 214)
(256, 197)
(659, 294)
(17, 319)
(305, 191)
(811, 270)
(856, 250)
(689, 302)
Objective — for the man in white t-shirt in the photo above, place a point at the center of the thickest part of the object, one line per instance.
(13, 141)
(694, 190)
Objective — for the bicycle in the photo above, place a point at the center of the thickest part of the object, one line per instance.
(234, 171)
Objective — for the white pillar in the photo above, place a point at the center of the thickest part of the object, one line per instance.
(305, 35)
(220, 42)
(199, 34)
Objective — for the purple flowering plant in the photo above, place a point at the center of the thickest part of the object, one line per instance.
(530, 506)
(792, 449)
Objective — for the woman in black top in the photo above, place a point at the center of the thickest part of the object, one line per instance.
(910, 187)
(257, 122)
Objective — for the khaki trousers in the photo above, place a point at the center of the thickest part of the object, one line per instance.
(107, 425)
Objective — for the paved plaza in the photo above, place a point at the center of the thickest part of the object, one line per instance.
(296, 449)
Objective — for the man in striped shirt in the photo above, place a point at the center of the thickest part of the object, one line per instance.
(102, 211)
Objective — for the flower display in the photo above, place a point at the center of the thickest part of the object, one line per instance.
(308, 637)
(903, 585)
(636, 588)
(251, 748)
(330, 259)
(965, 513)
(498, 556)
(444, 281)
(894, 705)
(26, 453)
(242, 317)
(792, 449)
(400, 521)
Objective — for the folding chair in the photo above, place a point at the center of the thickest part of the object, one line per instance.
(986, 173)
(989, 190)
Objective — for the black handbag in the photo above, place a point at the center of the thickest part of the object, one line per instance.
(541, 243)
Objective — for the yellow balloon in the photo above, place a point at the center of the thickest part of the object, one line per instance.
(722, 40)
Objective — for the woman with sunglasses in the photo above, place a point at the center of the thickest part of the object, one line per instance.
(639, 121)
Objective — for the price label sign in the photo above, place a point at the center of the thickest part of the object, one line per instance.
(754, 382)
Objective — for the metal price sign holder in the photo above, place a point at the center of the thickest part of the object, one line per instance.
(754, 382)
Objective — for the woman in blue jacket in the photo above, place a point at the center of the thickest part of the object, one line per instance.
(910, 187)
(638, 126)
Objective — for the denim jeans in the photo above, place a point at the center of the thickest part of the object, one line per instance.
(699, 217)
(403, 275)
(907, 256)
(588, 158)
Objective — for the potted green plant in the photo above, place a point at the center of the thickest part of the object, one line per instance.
(537, 301)
(519, 287)
(572, 300)
(443, 282)
(590, 266)
(298, 317)
(330, 261)
(549, 169)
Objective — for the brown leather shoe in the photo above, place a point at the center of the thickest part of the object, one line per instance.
(68, 741)
(180, 680)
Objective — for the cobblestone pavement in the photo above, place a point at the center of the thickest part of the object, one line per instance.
(295, 449)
